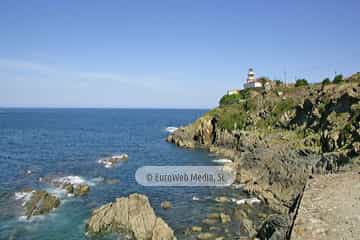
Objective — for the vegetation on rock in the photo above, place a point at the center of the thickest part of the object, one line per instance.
(301, 82)
(326, 81)
(338, 79)
(278, 138)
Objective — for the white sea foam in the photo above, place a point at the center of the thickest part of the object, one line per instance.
(171, 129)
(224, 160)
(249, 201)
(23, 196)
(32, 219)
(57, 192)
(74, 180)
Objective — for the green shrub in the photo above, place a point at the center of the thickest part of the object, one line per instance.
(301, 82)
(326, 81)
(233, 120)
(278, 82)
(338, 79)
(230, 99)
(234, 98)
(279, 109)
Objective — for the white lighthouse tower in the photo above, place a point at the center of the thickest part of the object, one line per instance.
(251, 81)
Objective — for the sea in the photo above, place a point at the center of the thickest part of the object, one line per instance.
(38, 145)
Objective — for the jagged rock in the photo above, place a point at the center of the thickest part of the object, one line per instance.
(275, 156)
(241, 216)
(40, 202)
(225, 218)
(166, 205)
(330, 163)
(111, 161)
(81, 190)
(213, 216)
(328, 142)
(196, 229)
(68, 187)
(75, 189)
(205, 236)
(356, 148)
(222, 199)
(306, 115)
(285, 118)
(131, 214)
(162, 231)
(274, 228)
(209, 221)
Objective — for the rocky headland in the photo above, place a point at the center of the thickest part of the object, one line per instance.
(280, 137)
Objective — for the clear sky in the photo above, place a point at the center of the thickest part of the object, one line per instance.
(178, 53)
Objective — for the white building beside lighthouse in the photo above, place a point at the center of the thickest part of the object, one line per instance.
(251, 81)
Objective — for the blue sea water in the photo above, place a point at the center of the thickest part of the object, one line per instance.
(68, 142)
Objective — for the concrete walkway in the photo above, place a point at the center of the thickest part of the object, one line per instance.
(330, 208)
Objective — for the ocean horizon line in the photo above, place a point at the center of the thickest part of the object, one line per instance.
(105, 108)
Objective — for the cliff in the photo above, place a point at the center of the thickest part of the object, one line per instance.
(279, 137)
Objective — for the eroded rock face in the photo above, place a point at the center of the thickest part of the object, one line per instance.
(41, 202)
(131, 214)
(331, 163)
(275, 228)
(317, 132)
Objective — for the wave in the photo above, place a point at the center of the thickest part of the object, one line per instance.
(59, 190)
(224, 160)
(194, 198)
(171, 129)
(74, 180)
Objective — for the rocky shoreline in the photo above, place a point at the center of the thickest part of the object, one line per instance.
(318, 134)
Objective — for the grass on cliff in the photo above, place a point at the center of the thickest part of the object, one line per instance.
(259, 109)
(253, 112)
(235, 98)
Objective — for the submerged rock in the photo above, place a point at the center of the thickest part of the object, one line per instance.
(205, 236)
(81, 190)
(222, 199)
(40, 202)
(166, 205)
(225, 218)
(132, 214)
(77, 190)
(112, 181)
(196, 229)
(111, 161)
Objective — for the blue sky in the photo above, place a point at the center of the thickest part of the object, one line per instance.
(181, 54)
